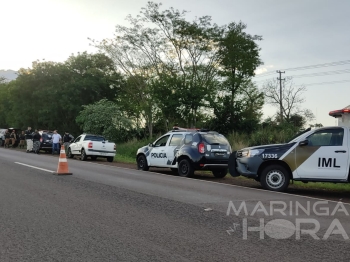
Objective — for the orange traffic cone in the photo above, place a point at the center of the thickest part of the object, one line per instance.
(62, 168)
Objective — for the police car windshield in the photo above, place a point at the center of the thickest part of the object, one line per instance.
(213, 139)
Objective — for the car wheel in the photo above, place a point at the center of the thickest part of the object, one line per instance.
(220, 173)
(142, 163)
(185, 168)
(110, 159)
(93, 158)
(83, 155)
(275, 178)
(70, 155)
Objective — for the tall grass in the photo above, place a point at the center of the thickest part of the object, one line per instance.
(126, 152)
(262, 136)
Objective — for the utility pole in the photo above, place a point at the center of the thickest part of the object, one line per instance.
(281, 99)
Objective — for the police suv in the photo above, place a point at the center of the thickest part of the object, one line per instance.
(319, 155)
(187, 150)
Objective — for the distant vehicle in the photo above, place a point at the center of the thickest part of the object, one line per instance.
(45, 141)
(93, 146)
(2, 136)
(186, 150)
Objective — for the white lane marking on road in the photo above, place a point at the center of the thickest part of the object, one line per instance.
(218, 183)
(257, 189)
(39, 168)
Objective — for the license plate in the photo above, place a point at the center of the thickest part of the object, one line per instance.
(103, 154)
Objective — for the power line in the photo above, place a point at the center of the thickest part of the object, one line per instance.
(339, 63)
(336, 72)
(327, 73)
(327, 83)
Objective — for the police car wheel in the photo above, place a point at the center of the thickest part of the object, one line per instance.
(275, 178)
(185, 168)
(220, 173)
(83, 155)
(142, 163)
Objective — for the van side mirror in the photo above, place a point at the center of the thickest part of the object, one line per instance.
(150, 145)
(304, 143)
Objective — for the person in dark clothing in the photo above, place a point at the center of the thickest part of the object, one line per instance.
(13, 138)
(29, 137)
(67, 139)
(36, 141)
(22, 138)
(7, 139)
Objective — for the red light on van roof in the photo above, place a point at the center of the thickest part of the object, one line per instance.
(339, 112)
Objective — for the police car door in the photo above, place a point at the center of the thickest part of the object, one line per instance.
(157, 156)
(172, 148)
(325, 155)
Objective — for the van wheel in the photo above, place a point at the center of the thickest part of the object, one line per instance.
(275, 178)
(220, 173)
(83, 155)
(142, 163)
(110, 159)
(185, 168)
(70, 155)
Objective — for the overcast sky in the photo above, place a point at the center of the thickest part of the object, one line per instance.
(296, 33)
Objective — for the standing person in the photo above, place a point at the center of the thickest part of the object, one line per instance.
(22, 138)
(29, 137)
(7, 138)
(67, 139)
(36, 141)
(13, 138)
(56, 139)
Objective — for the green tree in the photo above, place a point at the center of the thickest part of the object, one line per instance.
(162, 47)
(50, 95)
(239, 56)
(105, 118)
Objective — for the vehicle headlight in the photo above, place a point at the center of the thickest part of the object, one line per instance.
(255, 152)
(245, 153)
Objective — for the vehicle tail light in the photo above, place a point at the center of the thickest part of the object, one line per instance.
(115, 147)
(201, 148)
(41, 140)
(90, 145)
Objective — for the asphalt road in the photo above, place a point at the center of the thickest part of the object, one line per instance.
(104, 213)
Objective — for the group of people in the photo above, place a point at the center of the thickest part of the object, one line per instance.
(12, 137)
(33, 140)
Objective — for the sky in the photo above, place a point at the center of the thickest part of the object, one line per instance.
(295, 34)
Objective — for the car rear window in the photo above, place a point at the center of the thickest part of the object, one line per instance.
(46, 136)
(213, 139)
(94, 138)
